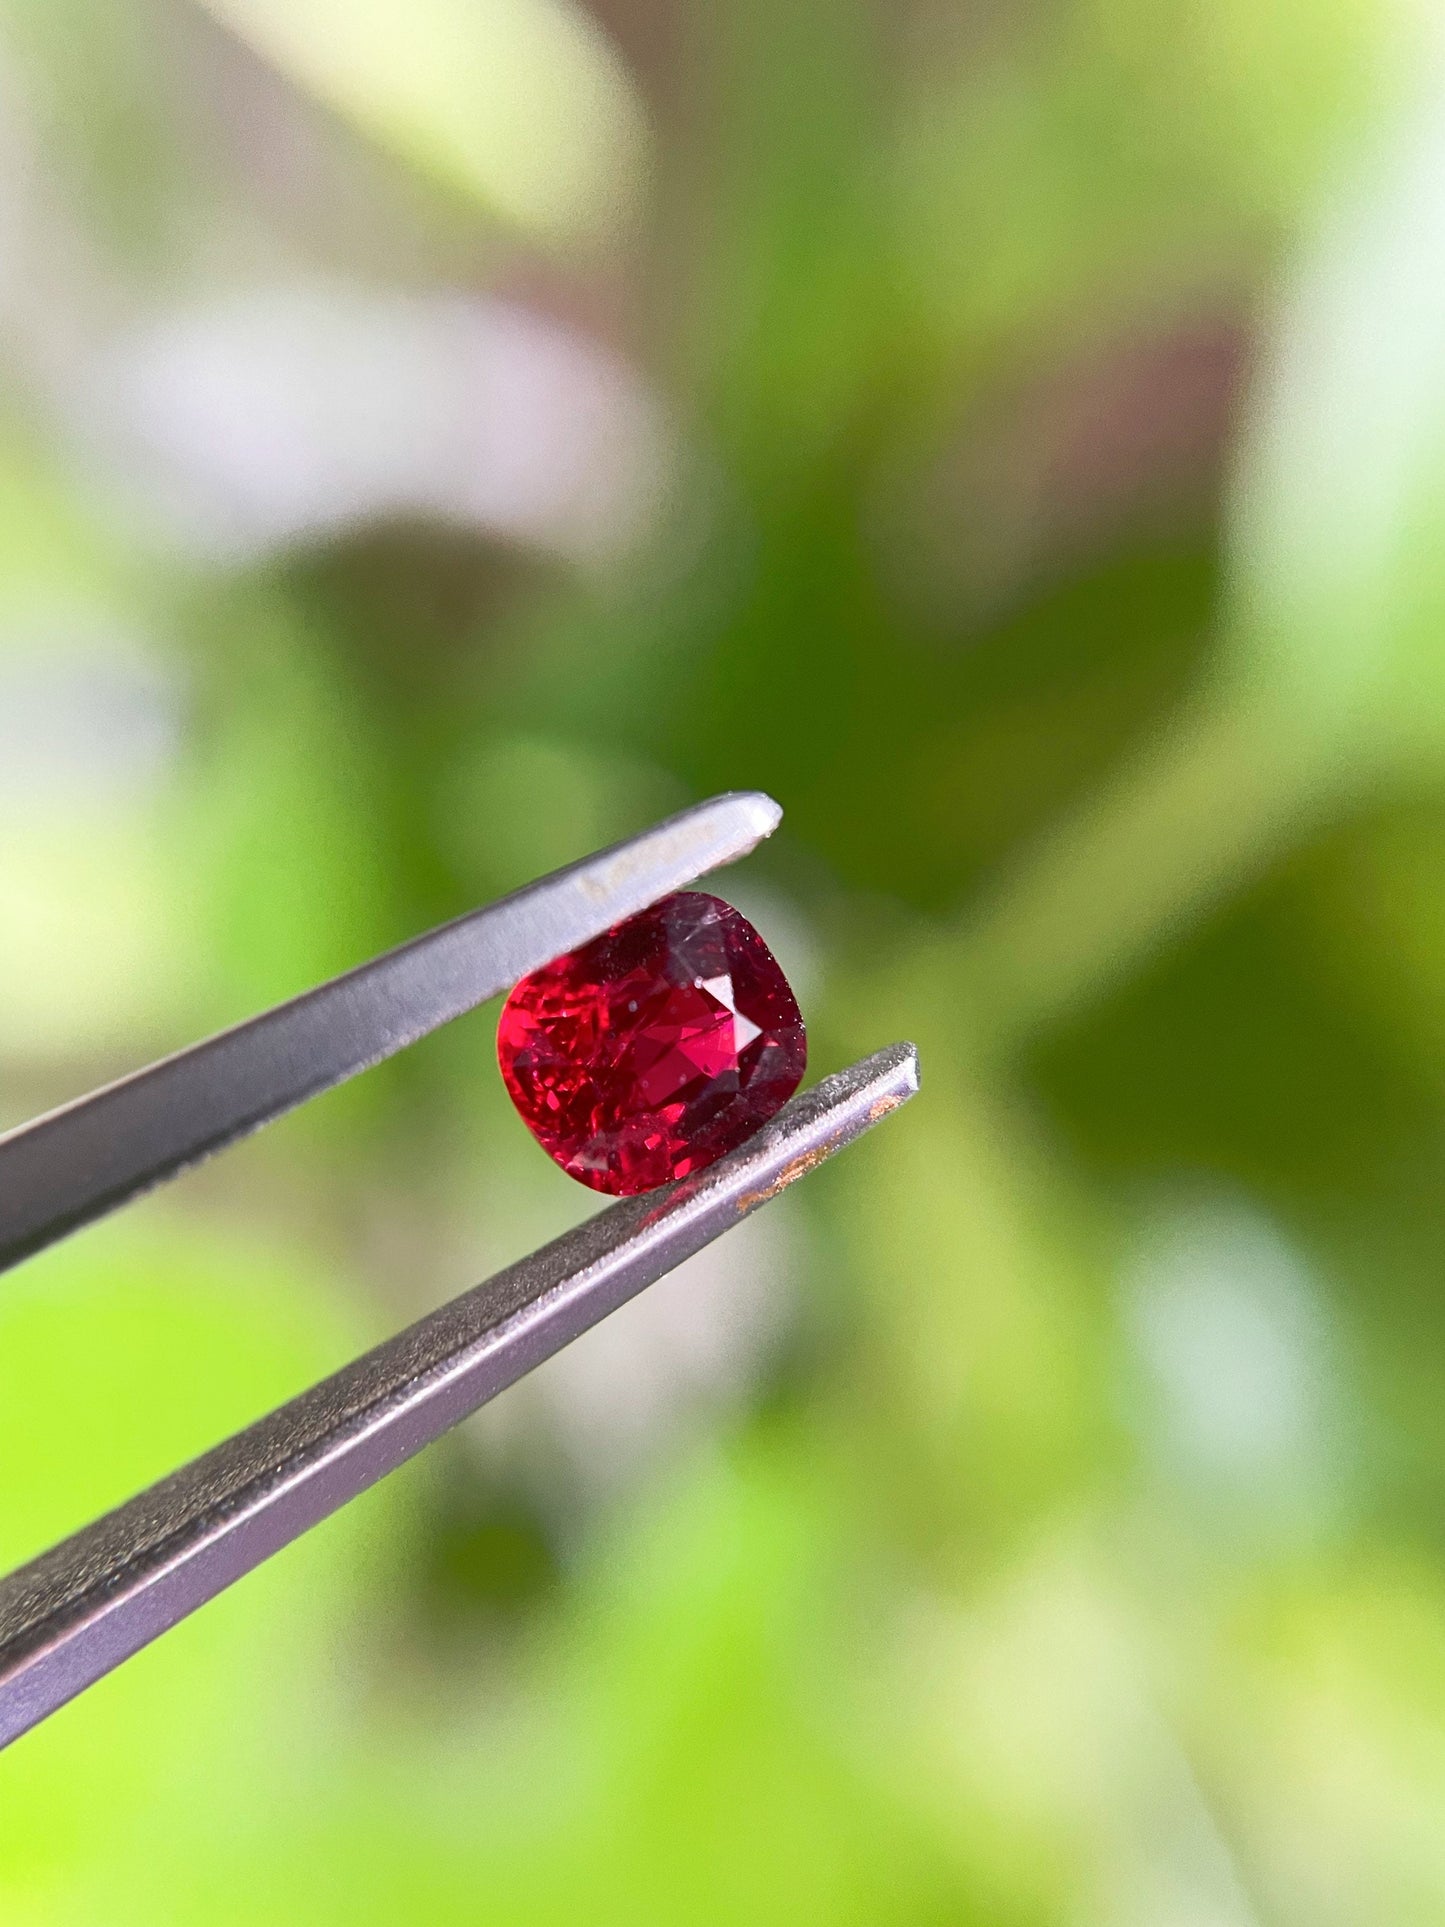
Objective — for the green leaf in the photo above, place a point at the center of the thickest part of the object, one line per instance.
(520, 102)
(1340, 507)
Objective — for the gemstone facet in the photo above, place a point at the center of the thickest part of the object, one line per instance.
(656, 1048)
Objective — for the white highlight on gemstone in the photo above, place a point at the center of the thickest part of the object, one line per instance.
(744, 1029)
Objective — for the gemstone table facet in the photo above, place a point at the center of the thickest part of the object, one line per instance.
(656, 1049)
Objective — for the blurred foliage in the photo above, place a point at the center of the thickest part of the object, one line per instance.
(1050, 518)
(521, 102)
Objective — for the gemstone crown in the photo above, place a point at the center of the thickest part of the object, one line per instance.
(655, 1049)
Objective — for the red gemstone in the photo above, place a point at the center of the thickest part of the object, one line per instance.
(656, 1048)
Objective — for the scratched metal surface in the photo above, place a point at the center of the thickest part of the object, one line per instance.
(83, 1607)
(82, 1160)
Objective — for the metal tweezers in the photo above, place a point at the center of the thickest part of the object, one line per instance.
(78, 1610)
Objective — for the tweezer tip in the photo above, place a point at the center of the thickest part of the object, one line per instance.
(909, 1074)
(759, 813)
(895, 1070)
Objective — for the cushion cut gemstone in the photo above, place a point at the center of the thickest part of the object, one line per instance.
(652, 1051)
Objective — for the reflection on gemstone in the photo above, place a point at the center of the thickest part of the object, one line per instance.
(656, 1049)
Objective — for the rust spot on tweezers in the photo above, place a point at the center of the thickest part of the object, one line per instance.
(794, 1169)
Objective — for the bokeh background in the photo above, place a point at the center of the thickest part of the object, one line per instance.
(440, 436)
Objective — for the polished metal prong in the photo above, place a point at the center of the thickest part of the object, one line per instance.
(82, 1608)
(80, 1161)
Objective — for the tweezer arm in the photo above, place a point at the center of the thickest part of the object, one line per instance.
(95, 1599)
(82, 1160)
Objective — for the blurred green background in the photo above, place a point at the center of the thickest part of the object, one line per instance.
(440, 436)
